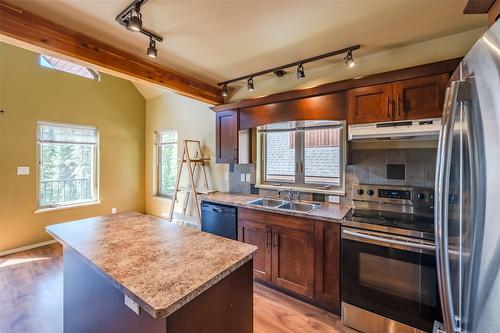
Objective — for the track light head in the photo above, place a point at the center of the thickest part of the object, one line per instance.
(300, 72)
(349, 60)
(279, 72)
(250, 84)
(152, 51)
(224, 90)
(134, 22)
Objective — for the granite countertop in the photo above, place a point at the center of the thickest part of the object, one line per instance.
(327, 212)
(160, 265)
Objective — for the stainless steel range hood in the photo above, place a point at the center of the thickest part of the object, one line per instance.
(422, 129)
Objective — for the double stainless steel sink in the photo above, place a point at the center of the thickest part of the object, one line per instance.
(285, 205)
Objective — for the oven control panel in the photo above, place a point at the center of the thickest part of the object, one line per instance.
(393, 194)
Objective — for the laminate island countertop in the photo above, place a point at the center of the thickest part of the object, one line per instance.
(159, 265)
(328, 212)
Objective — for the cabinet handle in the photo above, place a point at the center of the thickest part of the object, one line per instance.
(268, 238)
(398, 108)
(389, 115)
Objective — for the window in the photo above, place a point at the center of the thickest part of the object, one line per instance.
(68, 157)
(68, 67)
(166, 150)
(303, 155)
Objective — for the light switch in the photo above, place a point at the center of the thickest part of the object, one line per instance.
(23, 170)
(247, 177)
(242, 177)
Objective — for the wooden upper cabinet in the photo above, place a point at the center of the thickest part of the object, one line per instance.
(226, 136)
(370, 104)
(257, 234)
(417, 98)
(420, 98)
(293, 260)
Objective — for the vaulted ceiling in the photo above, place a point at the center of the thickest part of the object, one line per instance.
(218, 40)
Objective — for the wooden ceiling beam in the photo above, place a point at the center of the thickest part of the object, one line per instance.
(24, 26)
(478, 6)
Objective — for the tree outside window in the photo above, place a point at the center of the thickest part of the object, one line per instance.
(67, 164)
(166, 147)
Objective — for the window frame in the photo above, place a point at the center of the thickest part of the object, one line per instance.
(299, 183)
(158, 157)
(96, 170)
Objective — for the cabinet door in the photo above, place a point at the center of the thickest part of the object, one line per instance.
(226, 137)
(293, 260)
(327, 265)
(257, 234)
(420, 98)
(370, 104)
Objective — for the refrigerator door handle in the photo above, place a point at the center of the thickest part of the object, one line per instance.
(441, 206)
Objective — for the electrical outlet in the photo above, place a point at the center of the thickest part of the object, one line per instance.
(23, 170)
(113, 210)
(242, 177)
(333, 199)
(247, 177)
(132, 305)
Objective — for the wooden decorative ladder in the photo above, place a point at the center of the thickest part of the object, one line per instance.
(193, 163)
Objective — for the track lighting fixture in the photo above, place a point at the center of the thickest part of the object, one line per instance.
(349, 60)
(152, 51)
(300, 72)
(131, 18)
(279, 73)
(250, 84)
(134, 22)
(224, 90)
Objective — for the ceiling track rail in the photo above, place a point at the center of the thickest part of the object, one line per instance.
(280, 69)
(124, 15)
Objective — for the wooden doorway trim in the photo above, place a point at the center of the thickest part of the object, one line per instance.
(17, 24)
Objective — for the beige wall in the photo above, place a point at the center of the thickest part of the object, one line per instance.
(399, 57)
(193, 120)
(29, 93)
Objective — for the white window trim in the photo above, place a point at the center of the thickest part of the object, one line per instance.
(56, 207)
(260, 165)
(64, 207)
(157, 171)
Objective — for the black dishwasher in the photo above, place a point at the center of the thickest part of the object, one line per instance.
(219, 220)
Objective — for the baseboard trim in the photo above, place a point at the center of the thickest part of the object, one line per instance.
(27, 247)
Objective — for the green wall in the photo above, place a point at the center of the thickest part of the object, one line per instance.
(28, 93)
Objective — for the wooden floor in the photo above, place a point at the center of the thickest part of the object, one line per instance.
(31, 299)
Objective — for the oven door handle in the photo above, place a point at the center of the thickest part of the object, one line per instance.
(408, 244)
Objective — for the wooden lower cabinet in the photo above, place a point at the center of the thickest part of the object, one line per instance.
(327, 268)
(295, 254)
(258, 234)
(293, 260)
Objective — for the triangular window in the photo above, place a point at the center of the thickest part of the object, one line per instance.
(68, 67)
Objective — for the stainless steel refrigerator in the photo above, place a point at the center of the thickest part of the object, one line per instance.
(467, 202)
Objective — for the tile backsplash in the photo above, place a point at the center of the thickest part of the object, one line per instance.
(370, 167)
(416, 167)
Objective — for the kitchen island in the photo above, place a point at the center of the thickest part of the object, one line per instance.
(173, 279)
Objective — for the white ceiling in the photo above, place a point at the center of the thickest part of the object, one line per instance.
(218, 40)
